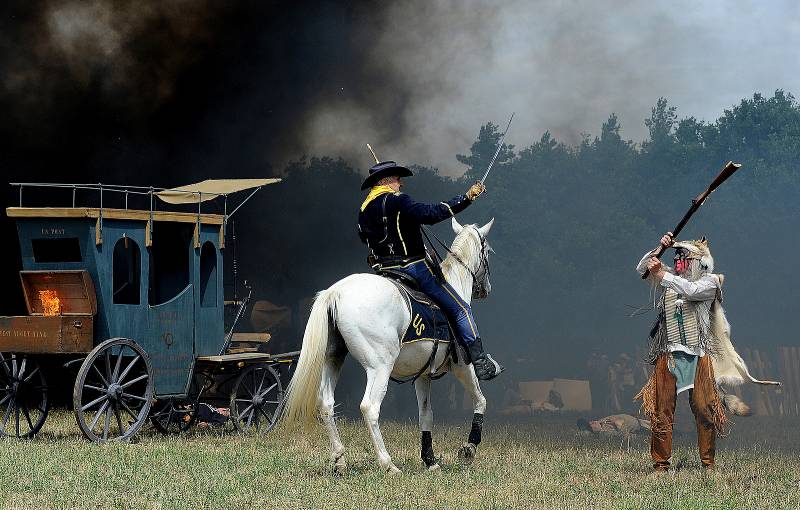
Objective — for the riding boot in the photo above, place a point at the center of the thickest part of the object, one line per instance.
(486, 367)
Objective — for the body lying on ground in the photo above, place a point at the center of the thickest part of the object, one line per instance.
(615, 425)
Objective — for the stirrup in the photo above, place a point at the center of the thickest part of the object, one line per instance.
(484, 372)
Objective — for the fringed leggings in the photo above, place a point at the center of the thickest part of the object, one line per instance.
(658, 402)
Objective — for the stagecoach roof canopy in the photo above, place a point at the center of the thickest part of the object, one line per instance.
(210, 189)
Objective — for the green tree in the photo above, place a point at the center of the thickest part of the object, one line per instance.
(482, 150)
(660, 124)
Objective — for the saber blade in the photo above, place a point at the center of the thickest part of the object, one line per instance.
(499, 146)
(377, 161)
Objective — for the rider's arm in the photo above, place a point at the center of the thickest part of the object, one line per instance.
(700, 290)
(428, 214)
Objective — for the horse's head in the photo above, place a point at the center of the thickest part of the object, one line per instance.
(473, 254)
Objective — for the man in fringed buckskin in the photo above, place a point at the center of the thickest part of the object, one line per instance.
(691, 349)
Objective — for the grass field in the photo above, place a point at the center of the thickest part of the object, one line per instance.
(543, 463)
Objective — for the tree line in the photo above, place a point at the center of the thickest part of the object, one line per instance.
(572, 220)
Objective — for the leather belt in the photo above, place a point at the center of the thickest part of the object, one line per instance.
(395, 261)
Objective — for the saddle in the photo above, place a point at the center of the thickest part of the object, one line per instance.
(428, 321)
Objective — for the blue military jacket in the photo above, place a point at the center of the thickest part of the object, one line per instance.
(390, 224)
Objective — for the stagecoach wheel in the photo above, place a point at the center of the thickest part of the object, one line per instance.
(23, 396)
(256, 399)
(113, 391)
(174, 416)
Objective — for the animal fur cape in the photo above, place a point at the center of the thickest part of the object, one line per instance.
(729, 367)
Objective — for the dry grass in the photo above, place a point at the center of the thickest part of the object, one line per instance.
(543, 464)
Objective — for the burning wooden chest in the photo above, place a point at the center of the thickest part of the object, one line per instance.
(61, 307)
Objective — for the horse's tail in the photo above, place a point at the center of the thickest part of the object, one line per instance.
(300, 403)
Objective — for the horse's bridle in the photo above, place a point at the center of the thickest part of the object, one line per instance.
(479, 275)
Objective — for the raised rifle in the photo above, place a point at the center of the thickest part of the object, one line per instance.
(727, 171)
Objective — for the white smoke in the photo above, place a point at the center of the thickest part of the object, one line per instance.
(562, 66)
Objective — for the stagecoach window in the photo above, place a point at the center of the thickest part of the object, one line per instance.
(208, 275)
(127, 272)
(65, 249)
(170, 257)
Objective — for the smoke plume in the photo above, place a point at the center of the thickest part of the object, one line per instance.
(186, 84)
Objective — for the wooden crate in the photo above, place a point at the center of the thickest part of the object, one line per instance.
(75, 291)
(40, 334)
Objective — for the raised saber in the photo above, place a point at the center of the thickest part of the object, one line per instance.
(377, 161)
(499, 146)
(727, 171)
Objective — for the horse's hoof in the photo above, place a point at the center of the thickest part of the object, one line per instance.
(466, 454)
(434, 467)
(340, 469)
(392, 470)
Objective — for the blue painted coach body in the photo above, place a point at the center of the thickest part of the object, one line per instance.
(174, 331)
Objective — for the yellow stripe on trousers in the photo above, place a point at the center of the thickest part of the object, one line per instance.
(458, 300)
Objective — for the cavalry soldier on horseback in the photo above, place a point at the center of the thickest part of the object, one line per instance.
(390, 224)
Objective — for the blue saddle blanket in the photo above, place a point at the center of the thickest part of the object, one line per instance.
(428, 322)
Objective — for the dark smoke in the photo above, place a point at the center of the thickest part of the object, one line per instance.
(195, 86)
(167, 93)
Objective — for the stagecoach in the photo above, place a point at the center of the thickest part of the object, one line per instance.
(134, 300)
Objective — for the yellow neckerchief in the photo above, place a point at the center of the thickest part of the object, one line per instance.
(374, 193)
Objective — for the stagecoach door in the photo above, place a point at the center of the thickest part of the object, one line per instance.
(171, 319)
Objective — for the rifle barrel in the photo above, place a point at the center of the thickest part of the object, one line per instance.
(728, 170)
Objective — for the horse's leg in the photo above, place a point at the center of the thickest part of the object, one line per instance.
(423, 388)
(377, 381)
(466, 375)
(330, 376)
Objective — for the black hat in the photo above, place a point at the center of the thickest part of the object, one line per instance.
(384, 169)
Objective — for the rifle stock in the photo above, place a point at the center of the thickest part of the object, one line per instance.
(727, 171)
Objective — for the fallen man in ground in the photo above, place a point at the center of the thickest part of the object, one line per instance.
(621, 425)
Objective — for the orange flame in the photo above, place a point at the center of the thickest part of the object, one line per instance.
(51, 305)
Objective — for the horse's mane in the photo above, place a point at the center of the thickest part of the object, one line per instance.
(466, 246)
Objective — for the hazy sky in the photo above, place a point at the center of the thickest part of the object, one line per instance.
(270, 82)
(563, 66)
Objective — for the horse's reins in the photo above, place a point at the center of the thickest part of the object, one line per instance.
(484, 261)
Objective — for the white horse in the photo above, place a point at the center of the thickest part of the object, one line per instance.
(365, 315)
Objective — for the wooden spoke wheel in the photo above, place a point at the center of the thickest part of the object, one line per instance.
(23, 396)
(256, 399)
(177, 415)
(113, 391)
